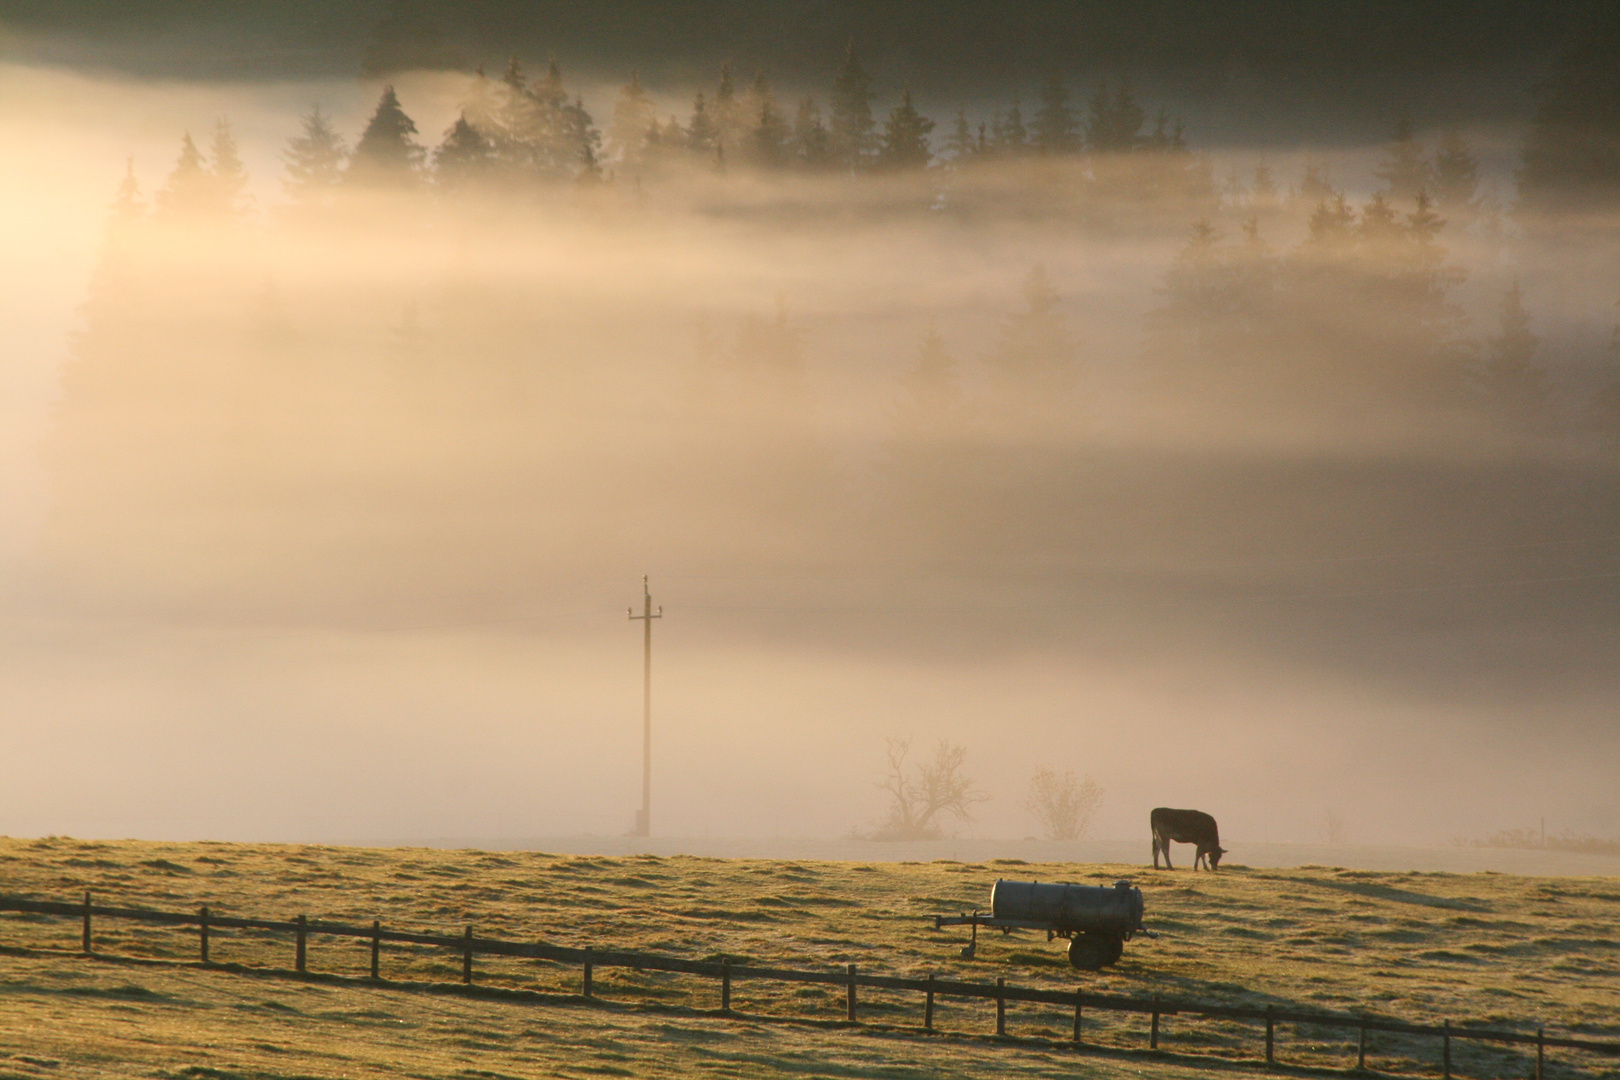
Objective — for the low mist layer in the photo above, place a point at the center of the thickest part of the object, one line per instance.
(1283, 487)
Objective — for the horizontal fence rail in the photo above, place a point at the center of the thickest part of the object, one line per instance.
(468, 945)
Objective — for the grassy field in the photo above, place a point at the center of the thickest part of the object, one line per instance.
(1477, 948)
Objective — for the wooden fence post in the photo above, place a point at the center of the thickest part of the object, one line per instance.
(86, 942)
(466, 957)
(202, 933)
(1153, 1030)
(300, 951)
(1541, 1047)
(928, 1005)
(851, 1001)
(725, 987)
(376, 945)
(1270, 1035)
(585, 976)
(1361, 1049)
(1445, 1049)
(1001, 1005)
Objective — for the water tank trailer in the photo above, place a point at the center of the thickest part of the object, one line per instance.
(1097, 919)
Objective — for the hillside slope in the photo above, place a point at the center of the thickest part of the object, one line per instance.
(1479, 948)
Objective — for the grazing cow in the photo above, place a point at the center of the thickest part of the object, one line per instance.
(1186, 827)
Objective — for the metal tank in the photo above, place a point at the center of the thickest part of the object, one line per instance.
(1097, 919)
(1116, 909)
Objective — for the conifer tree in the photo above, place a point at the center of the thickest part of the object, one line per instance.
(729, 123)
(905, 138)
(851, 130)
(633, 118)
(1404, 169)
(1166, 137)
(1056, 129)
(482, 106)
(1114, 121)
(314, 161)
(228, 175)
(764, 129)
(812, 146)
(931, 424)
(768, 142)
(127, 207)
(701, 133)
(959, 144)
(1512, 382)
(189, 188)
(549, 91)
(515, 126)
(580, 142)
(464, 157)
(1314, 187)
(1009, 138)
(116, 271)
(387, 154)
(1036, 350)
(1188, 333)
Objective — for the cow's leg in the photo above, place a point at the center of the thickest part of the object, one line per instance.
(1199, 858)
(1167, 865)
(1155, 851)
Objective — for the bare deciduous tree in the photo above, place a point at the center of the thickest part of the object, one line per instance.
(1063, 804)
(920, 797)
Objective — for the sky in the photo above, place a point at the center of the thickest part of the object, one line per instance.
(366, 579)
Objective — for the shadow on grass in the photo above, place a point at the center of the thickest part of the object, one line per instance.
(1221, 1051)
(1389, 892)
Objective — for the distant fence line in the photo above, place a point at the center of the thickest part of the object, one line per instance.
(849, 979)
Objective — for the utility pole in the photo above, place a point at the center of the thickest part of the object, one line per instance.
(644, 815)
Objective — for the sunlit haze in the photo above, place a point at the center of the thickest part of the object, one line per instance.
(1266, 466)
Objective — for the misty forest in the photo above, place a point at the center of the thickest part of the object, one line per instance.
(1069, 434)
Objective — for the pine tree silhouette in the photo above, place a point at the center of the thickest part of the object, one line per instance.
(387, 154)
(1114, 121)
(314, 161)
(1404, 169)
(852, 125)
(812, 144)
(633, 120)
(229, 175)
(465, 157)
(1056, 129)
(960, 145)
(701, 132)
(189, 188)
(1513, 384)
(905, 138)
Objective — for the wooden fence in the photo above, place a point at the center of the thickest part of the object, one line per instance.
(849, 979)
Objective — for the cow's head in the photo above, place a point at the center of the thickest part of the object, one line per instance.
(1215, 857)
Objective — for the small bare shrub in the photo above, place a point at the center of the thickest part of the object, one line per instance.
(1063, 804)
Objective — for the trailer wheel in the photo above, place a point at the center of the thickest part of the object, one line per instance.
(1116, 949)
(1088, 952)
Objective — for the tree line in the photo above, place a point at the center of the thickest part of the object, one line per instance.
(516, 129)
